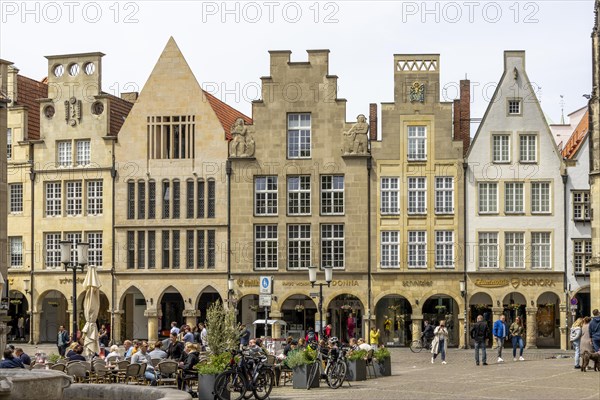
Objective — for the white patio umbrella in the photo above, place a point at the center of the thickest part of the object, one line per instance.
(91, 307)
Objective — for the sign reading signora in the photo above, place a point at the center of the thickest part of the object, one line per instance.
(514, 282)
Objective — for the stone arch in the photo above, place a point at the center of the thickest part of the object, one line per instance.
(170, 305)
(547, 313)
(18, 307)
(481, 303)
(205, 298)
(329, 296)
(54, 305)
(441, 306)
(210, 286)
(393, 317)
(299, 311)
(339, 316)
(393, 292)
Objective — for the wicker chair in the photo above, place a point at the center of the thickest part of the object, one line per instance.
(156, 361)
(167, 373)
(78, 371)
(132, 373)
(101, 374)
(59, 367)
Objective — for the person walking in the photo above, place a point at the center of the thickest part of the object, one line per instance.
(62, 340)
(575, 339)
(440, 342)
(595, 330)
(427, 335)
(516, 331)
(500, 333)
(479, 333)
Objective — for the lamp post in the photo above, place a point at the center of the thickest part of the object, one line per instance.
(463, 293)
(312, 277)
(81, 255)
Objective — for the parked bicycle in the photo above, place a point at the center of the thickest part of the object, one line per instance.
(247, 372)
(416, 346)
(335, 369)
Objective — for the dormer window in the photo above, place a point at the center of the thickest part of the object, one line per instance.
(514, 107)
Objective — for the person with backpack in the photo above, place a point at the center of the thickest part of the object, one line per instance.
(479, 333)
(312, 336)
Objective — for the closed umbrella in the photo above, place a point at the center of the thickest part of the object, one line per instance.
(91, 307)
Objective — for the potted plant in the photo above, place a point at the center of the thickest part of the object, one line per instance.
(302, 364)
(222, 336)
(383, 362)
(357, 365)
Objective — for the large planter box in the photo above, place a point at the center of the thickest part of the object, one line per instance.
(357, 370)
(206, 387)
(383, 368)
(300, 376)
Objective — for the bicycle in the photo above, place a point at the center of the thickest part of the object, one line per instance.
(417, 345)
(335, 368)
(244, 376)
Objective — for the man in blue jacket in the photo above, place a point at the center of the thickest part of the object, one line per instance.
(10, 361)
(595, 330)
(500, 333)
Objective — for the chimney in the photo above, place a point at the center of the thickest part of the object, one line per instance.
(456, 120)
(465, 114)
(129, 96)
(373, 121)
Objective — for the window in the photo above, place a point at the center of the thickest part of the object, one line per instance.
(171, 137)
(176, 248)
(65, 154)
(514, 254)
(299, 255)
(53, 199)
(417, 139)
(332, 194)
(390, 203)
(74, 198)
(582, 252)
(265, 195)
(16, 197)
(83, 152)
(417, 249)
(298, 195)
(16, 251)
(417, 195)
(514, 107)
(488, 250)
(189, 249)
(265, 246)
(52, 250)
(540, 250)
(298, 136)
(95, 248)
(130, 249)
(201, 246)
(444, 249)
(332, 245)
(141, 199)
(581, 205)
(176, 200)
(74, 238)
(444, 195)
(130, 200)
(540, 197)
(390, 249)
(500, 148)
(151, 199)
(9, 143)
(166, 254)
(513, 197)
(527, 148)
(166, 198)
(141, 250)
(211, 256)
(189, 200)
(151, 249)
(212, 199)
(94, 197)
(488, 198)
(200, 190)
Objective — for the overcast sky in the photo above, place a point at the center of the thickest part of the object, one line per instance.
(226, 44)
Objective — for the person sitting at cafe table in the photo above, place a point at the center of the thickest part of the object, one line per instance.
(192, 357)
(143, 357)
(76, 356)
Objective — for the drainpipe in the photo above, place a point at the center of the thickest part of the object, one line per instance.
(31, 275)
(465, 255)
(369, 167)
(565, 179)
(228, 170)
(113, 175)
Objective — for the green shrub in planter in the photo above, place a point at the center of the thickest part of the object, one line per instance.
(302, 362)
(53, 357)
(381, 353)
(382, 362)
(357, 355)
(214, 365)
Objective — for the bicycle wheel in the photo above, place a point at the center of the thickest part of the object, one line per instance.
(416, 346)
(313, 372)
(263, 384)
(337, 374)
(230, 385)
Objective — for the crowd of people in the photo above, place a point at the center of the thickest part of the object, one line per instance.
(585, 336)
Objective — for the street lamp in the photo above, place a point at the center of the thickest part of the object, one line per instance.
(312, 277)
(81, 253)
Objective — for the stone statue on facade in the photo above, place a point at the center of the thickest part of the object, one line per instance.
(242, 143)
(356, 139)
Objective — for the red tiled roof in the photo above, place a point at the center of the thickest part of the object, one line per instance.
(576, 139)
(29, 92)
(119, 109)
(226, 114)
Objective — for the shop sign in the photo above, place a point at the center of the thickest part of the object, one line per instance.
(417, 283)
(515, 282)
(69, 280)
(256, 283)
(491, 283)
